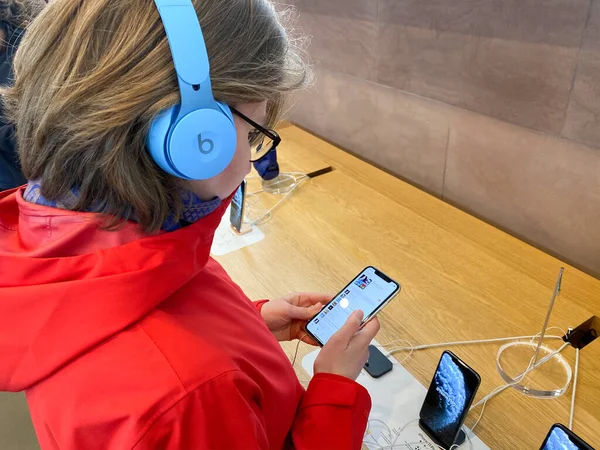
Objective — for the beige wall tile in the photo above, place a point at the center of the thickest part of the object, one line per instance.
(404, 134)
(512, 59)
(341, 42)
(583, 115)
(342, 109)
(412, 135)
(309, 108)
(540, 187)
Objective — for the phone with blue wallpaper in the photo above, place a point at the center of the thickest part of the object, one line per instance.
(448, 400)
(561, 438)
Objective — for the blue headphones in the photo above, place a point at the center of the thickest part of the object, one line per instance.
(196, 139)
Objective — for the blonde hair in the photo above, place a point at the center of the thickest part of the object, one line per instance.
(91, 75)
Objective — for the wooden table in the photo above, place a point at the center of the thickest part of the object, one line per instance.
(461, 278)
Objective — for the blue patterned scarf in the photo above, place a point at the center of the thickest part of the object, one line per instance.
(194, 209)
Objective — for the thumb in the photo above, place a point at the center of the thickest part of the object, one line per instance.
(350, 328)
(302, 313)
(314, 309)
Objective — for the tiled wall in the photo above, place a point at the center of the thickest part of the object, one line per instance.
(493, 105)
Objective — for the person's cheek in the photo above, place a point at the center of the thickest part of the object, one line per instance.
(242, 154)
(237, 170)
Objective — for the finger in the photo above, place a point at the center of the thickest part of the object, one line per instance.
(364, 337)
(302, 313)
(365, 357)
(312, 298)
(349, 329)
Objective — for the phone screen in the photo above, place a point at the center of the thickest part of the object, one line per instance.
(448, 399)
(236, 216)
(369, 292)
(561, 438)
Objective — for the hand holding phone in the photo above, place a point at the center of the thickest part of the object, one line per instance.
(347, 351)
(369, 292)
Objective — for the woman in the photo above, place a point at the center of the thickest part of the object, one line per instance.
(121, 329)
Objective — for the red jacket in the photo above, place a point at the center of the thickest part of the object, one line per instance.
(122, 341)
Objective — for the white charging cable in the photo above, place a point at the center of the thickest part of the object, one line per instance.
(393, 445)
(284, 183)
(572, 413)
(374, 445)
(413, 348)
(297, 179)
(281, 184)
(297, 347)
(303, 382)
(531, 366)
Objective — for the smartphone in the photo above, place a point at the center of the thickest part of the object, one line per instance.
(448, 400)
(370, 291)
(236, 216)
(561, 438)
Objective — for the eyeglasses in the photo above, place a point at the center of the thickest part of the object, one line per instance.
(262, 140)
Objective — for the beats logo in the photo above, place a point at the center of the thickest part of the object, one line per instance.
(205, 145)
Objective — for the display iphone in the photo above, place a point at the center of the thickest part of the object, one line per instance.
(448, 400)
(236, 216)
(561, 438)
(370, 291)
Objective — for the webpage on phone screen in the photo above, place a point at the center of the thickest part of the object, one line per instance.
(366, 293)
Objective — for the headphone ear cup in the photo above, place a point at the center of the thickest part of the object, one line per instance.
(156, 141)
(201, 144)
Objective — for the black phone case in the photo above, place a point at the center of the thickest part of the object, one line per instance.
(238, 226)
(378, 364)
(580, 443)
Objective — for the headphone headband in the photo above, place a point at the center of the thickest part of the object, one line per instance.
(188, 51)
(195, 139)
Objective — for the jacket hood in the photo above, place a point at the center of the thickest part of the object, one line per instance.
(62, 291)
